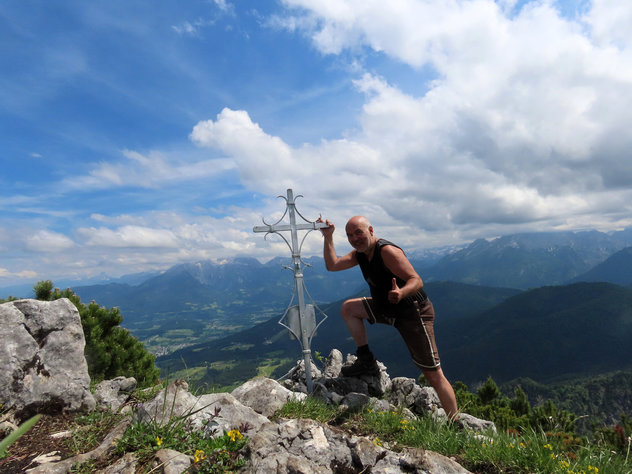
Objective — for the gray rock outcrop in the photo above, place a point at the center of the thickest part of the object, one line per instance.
(43, 369)
(114, 393)
(265, 396)
(42, 365)
(306, 446)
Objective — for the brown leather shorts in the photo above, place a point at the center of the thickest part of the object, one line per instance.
(416, 327)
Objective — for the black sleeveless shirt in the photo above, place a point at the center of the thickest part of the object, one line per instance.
(380, 278)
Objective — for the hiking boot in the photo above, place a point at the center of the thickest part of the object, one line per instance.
(362, 366)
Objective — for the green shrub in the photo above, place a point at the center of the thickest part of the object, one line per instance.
(111, 351)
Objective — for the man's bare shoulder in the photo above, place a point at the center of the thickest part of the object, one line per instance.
(392, 250)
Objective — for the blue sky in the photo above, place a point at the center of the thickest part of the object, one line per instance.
(141, 134)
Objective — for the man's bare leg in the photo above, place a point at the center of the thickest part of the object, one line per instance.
(444, 390)
(354, 314)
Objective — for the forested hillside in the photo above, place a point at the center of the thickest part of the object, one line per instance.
(545, 334)
(197, 302)
(596, 400)
(555, 342)
(615, 269)
(203, 301)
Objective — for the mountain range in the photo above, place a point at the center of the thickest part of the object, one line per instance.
(196, 302)
(531, 260)
(569, 343)
(543, 334)
(534, 308)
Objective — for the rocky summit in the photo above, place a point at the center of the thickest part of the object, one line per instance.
(34, 332)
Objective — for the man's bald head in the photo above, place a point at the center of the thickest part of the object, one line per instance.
(360, 234)
(358, 221)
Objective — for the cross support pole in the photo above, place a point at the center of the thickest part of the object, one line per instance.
(300, 319)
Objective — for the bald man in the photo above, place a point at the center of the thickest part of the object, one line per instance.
(397, 298)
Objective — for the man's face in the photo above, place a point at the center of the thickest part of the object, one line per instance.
(360, 235)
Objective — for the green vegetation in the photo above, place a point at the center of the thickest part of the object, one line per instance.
(509, 451)
(111, 351)
(597, 401)
(89, 430)
(15, 435)
(515, 413)
(212, 451)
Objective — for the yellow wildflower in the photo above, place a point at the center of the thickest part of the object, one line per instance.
(235, 435)
(199, 456)
(377, 442)
(158, 441)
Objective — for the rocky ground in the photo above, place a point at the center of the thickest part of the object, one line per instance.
(38, 442)
(49, 375)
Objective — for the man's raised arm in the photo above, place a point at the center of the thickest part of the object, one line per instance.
(333, 263)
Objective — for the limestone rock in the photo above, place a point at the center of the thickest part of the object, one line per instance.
(222, 413)
(42, 365)
(306, 446)
(114, 393)
(264, 395)
(333, 364)
(168, 461)
(476, 424)
(125, 465)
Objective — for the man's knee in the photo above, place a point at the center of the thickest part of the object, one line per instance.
(434, 377)
(352, 309)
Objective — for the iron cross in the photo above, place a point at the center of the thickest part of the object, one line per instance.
(299, 319)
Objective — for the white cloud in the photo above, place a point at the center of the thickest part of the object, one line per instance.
(517, 120)
(129, 236)
(185, 28)
(610, 23)
(267, 164)
(4, 273)
(151, 170)
(48, 241)
(223, 5)
(524, 122)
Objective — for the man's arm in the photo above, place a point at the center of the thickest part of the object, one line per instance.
(333, 263)
(399, 265)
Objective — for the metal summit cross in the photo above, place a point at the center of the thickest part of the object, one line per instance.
(299, 319)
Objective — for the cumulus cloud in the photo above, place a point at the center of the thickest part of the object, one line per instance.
(129, 236)
(513, 117)
(267, 164)
(523, 121)
(4, 273)
(48, 241)
(150, 170)
(610, 23)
